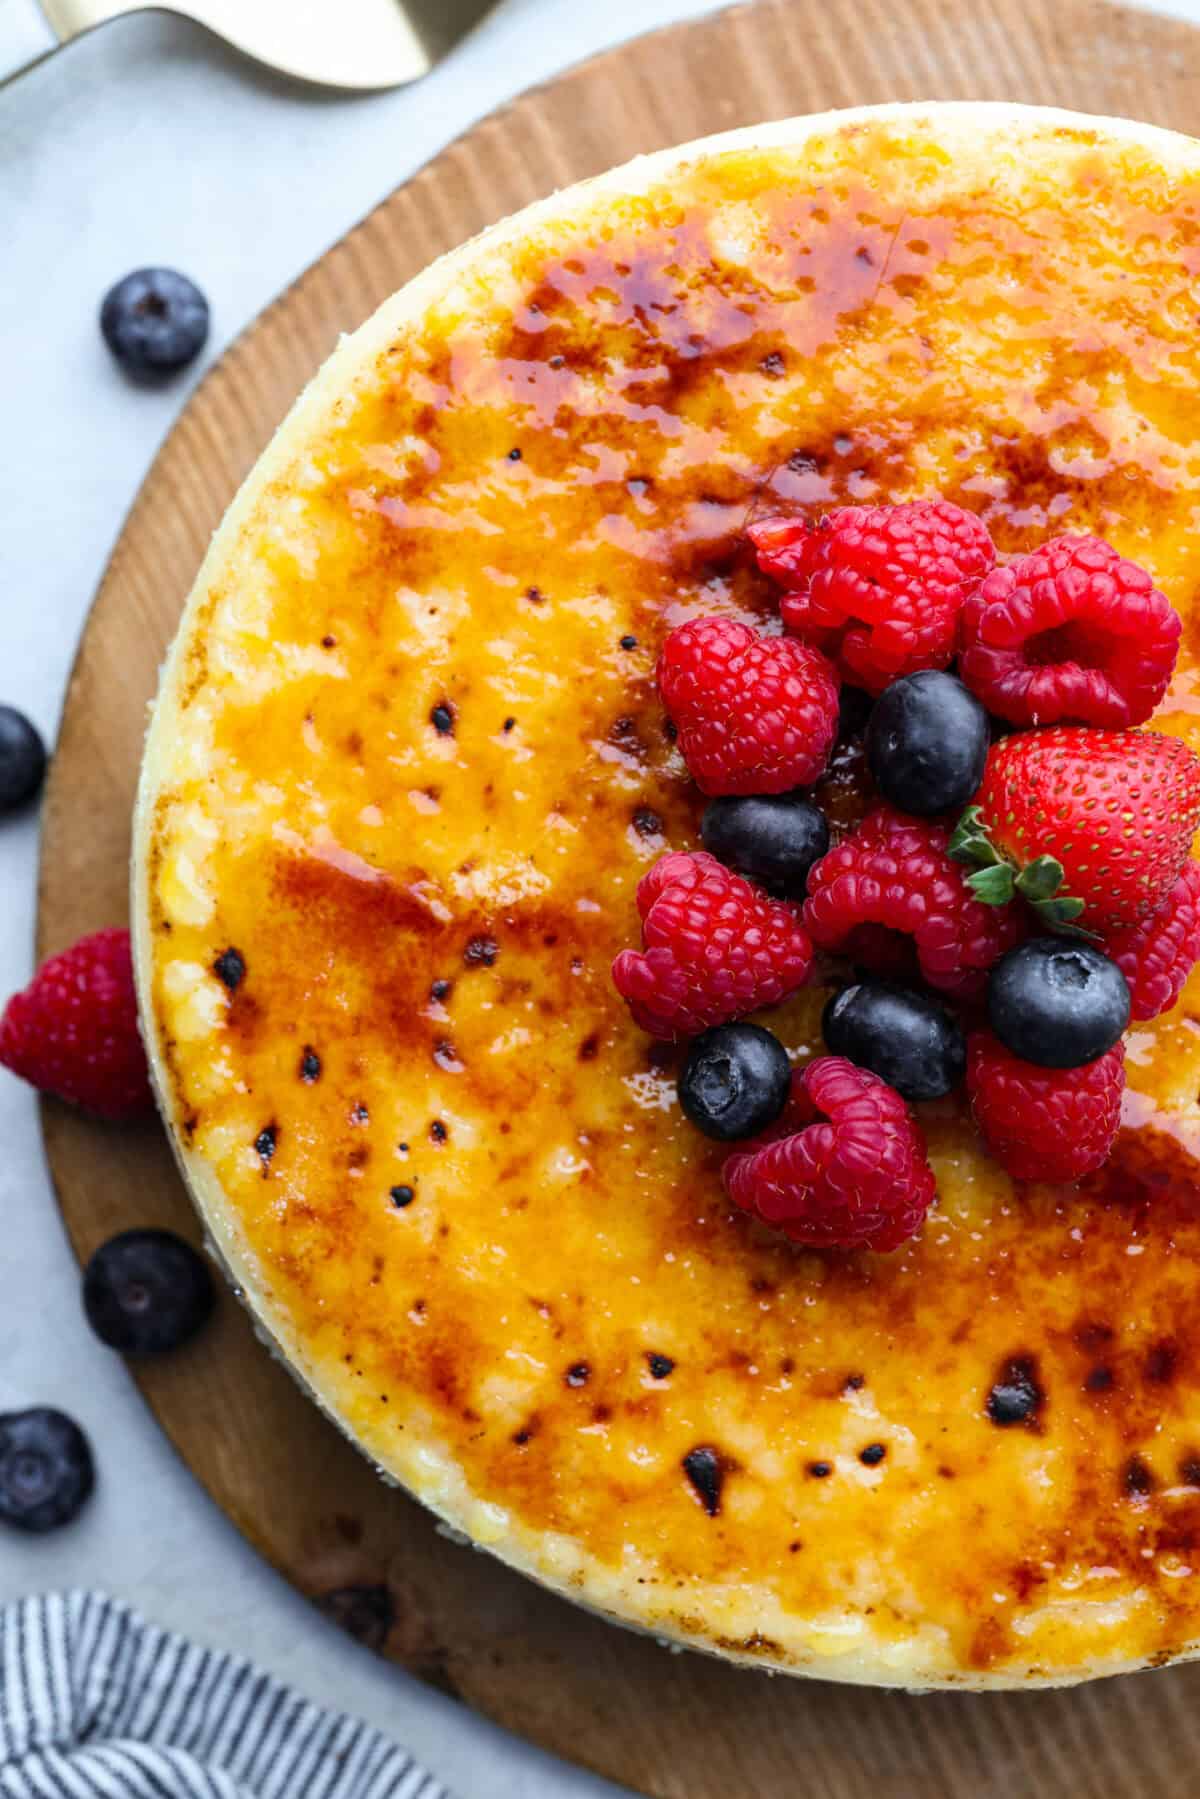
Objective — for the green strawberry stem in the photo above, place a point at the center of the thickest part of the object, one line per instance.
(997, 881)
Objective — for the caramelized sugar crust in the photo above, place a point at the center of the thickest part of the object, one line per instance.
(410, 765)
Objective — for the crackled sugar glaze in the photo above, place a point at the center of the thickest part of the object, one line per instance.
(411, 774)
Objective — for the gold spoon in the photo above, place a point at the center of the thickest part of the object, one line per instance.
(338, 43)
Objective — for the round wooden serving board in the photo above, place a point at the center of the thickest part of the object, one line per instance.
(667, 1724)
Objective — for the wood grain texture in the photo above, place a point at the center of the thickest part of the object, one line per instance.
(671, 1725)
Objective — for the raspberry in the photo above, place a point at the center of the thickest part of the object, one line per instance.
(754, 714)
(73, 1031)
(1157, 955)
(845, 1167)
(894, 872)
(716, 947)
(879, 588)
(1044, 1124)
(1072, 633)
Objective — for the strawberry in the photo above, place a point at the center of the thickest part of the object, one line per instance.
(1091, 827)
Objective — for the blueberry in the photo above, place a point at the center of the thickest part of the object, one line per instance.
(927, 743)
(145, 1291)
(46, 1469)
(22, 759)
(1057, 1002)
(773, 839)
(735, 1081)
(154, 321)
(908, 1039)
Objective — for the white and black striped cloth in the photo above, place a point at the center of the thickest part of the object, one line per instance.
(97, 1704)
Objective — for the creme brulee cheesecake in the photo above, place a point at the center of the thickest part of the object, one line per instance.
(407, 767)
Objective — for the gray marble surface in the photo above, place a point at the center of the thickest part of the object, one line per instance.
(149, 142)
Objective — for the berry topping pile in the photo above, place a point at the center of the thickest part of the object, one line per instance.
(1157, 954)
(1072, 634)
(845, 1167)
(895, 874)
(993, 921)
(714, 948)
(878, 588)
(754, 714)
(1044, 1124)
(1091, 827)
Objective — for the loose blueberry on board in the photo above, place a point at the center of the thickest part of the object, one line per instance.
(735, 1081)
(927, 743)
(154, 322)
(1058, 1003)
(146, 1291)
(773, 839)
(908, 1039)
(46, 1469)
(22, 759)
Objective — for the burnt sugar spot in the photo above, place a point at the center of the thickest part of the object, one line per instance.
(1099, 1379)
(1015, 1396)
(819, 1470)
(482, 951)
(1161, 1363)
(402, 1195)
(660, 1365)
(704, 1467)
(589, 1049)
(230, 968)
(1137, 1481)
(647, 823)
(442, 718)
(438, 1132)
(310, 1065)
(439, 993)
(265, 1145)
(578, 1374)
(872, 1454)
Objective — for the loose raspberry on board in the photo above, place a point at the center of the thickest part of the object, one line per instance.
(73, 1031)
(878, 588)
(754, 714)
(715, 948)
(844, 1168)
(1070, 634)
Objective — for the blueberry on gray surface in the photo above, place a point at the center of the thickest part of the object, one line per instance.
(1057, 1002)
(735, 1081)
(773, 839)
(46, 1469)
(927, 742)
(146, 1291)
(22, 759)
(154, 322)
(910, 1040)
